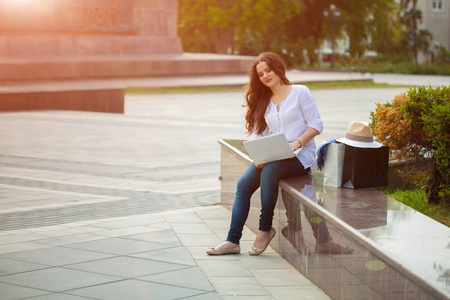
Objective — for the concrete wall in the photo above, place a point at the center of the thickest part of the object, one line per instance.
(88, 27)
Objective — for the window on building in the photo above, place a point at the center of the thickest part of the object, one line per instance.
(437, 5)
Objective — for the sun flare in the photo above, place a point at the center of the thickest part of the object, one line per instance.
(19, 1)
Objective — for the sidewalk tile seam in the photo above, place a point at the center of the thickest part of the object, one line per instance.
(175, 285)
(118, 276)
(165, 262)
(100, 284)
(27, 287)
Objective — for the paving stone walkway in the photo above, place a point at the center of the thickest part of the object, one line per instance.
(150, 256)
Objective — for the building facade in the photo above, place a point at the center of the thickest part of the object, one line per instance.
(436, 19)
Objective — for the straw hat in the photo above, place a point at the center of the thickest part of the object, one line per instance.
(359, 134)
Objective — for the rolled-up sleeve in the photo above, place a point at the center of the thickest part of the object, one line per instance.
(310, 111)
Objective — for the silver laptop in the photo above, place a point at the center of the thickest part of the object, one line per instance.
(269, 148)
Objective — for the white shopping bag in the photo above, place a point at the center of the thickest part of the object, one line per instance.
(333, 165)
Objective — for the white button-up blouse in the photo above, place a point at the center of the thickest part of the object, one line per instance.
(297, 112)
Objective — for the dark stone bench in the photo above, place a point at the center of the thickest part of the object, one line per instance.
(63, 96)
(398, 252)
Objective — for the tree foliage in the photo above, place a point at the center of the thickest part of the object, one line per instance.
(293, 28)
(208, 25)
(418, 40)
(386, 30)
(223, 25)
(416, 127)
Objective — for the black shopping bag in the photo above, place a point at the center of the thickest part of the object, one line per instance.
(365, 167)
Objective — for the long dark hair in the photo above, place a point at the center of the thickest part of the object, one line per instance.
(258, 95)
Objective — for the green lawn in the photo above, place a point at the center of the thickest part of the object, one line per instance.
(348, 84)
(417, 200)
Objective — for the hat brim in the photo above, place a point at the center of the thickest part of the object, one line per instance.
(359, 144)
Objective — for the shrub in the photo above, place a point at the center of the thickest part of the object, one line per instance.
(416, 127)
(400, 64)
(442, 55)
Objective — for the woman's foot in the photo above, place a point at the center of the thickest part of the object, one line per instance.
(262, 240)
(224, 248)
(334, 248)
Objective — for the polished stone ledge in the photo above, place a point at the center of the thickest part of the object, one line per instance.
(398, 252)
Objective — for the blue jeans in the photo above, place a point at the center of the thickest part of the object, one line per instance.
(267, 178)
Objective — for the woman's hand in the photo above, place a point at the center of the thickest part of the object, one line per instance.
(260, 166)
(294, 145)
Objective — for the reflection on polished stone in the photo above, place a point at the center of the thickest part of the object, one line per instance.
(398, 253)
(402, 236)
(323, 241)
(413, 240)
(361, 209)
(375, 265)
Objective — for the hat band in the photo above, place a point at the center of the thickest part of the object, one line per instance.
(358, 138)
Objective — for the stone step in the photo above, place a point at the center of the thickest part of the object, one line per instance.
(120, 66)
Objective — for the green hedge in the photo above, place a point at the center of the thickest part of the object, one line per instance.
(416, 126)
(396, 64)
